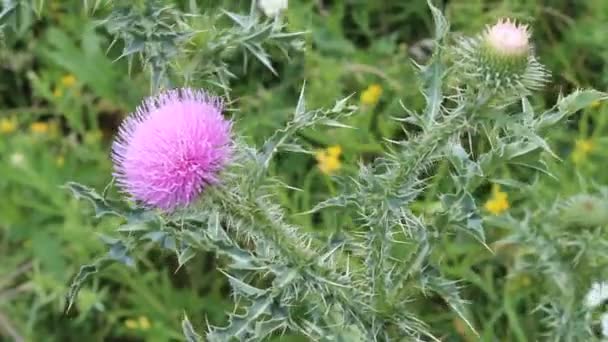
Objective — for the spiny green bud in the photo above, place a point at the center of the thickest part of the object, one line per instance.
(505, 48)
(586, 211)
(501, 59)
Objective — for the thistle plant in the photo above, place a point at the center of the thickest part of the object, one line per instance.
(189, 48)
(171, 148)
(197, 187)
(502, 59)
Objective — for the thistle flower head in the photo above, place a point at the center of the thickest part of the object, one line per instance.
(604, 324)
(597, 294)
(585, 211)
(171, 148)
(501, 59)
(507, 38)
(272, 8)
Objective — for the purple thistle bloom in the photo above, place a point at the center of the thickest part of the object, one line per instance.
(171, 148)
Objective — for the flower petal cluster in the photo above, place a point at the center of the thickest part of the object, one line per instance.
(501, 59)
(173, 146)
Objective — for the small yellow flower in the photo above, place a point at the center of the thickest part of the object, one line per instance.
(371, 95)
(57, 92)
(334, 151)
(329, 159)
(131, 324)
(498, 203)
(596, 104)
(8, 125)
(144, 323)
(60, 161)
(92, 137)
(68, 80)
(582, 148)
(39, 127)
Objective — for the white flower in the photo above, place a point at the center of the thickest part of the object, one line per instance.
(596, 295)
(604, 324)
(272, 8)
(17, 159)
(508, 38)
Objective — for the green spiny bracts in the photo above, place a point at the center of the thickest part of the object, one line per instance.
(585, 211)
(501, 59)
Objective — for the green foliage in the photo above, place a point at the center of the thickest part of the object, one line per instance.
(399, 243)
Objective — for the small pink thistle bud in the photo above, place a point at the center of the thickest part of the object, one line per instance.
(507, 38)
(501, 59)
(173, 146)
(505, 47)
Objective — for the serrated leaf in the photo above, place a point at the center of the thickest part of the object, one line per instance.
(533, 138)
(118, 251)
(448, 290)
(338, 201)
(432, 74)
(528, 110)
(244, 21)
(341, 104)
(83, 274)
(266, 327)
(517, 149)
(163, 239)
(283, 276)
(301, 106)
(101, 205)
(334, 124)
(243, 288)
(185, 255)
(135, 46)
(240, 325)
(578, 100)
(262, 56)
(189, 332)
(441, 23)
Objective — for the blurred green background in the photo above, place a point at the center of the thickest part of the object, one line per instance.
(63, 93)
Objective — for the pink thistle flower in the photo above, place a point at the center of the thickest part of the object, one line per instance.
(508, 38)
(171, 148)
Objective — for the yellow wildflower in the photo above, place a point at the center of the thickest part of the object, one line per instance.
(371, 95)
(144, 323)
(582, 148)
(39, 127)
(8, 125)
(68, 80)
(60, 161)
(57, 92)
(334, 151)
(498, 203)
(595, 104)
(329, 159)
(92, 137)
(54, 128)
(131, 324)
